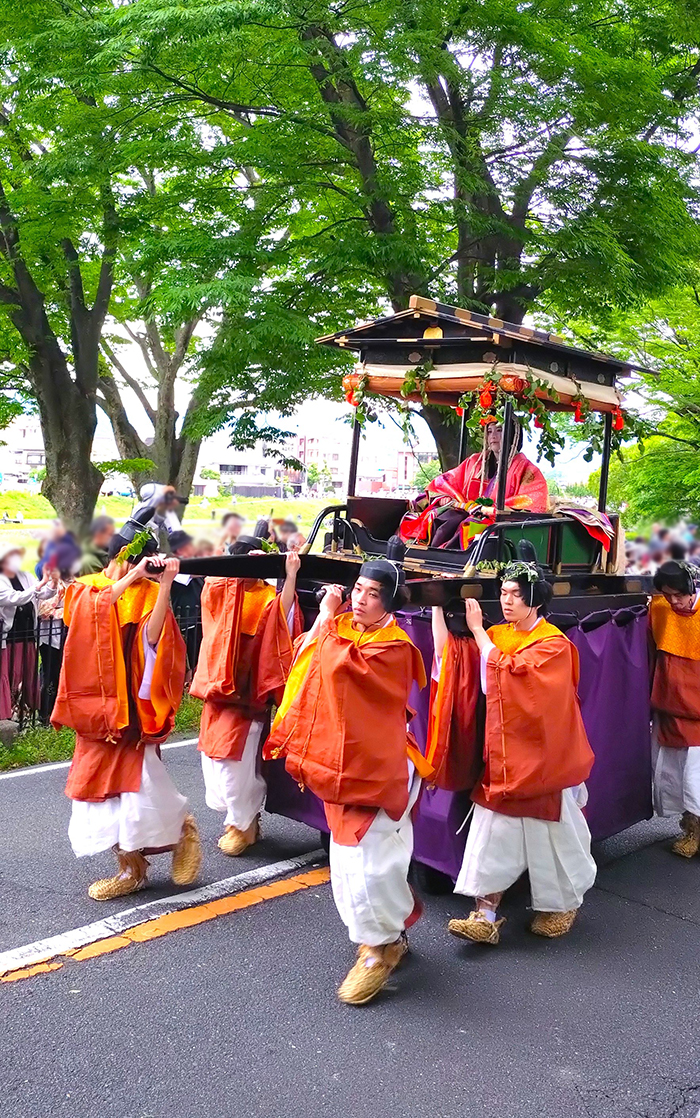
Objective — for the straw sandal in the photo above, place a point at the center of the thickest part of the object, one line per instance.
(130, 877)
(477, 927)
(187, 855)
(553, 924)
(371, 971)
(233, 842)
(688, 845)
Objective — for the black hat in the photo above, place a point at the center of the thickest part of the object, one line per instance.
(392, 581)
(134, 526)
(676, 576)
(178, 540)
(246, 544)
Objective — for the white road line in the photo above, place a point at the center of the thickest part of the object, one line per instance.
(44, 949)
(53, 766)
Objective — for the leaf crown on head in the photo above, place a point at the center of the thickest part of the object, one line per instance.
(135, 547)
(515, 571)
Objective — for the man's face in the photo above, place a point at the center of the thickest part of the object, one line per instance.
(233, 528)
(367, 606)
(679, 603)
(514, 606)
(186, 551)
(494, 433)
(101, 539)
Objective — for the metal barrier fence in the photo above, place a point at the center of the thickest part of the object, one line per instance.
(30, 664)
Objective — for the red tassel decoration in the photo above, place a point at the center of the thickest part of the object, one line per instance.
(618, 419)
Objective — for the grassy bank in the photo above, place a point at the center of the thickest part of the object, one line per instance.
(39, 745)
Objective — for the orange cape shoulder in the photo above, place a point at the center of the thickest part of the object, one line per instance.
(672, 632)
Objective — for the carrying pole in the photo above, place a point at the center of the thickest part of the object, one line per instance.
(506, 443)
(462, 435)
(605, 464)
(354, 455)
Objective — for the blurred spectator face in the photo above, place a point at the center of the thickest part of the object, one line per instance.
(57, 530)
(101, 531)
(203, 549)
(12, 562)
(296, 541)
(182, 545)
(232, 524)
(286, 530)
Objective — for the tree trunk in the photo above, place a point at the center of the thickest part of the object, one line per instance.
(188, 456)
(72, 482)
(444, 427)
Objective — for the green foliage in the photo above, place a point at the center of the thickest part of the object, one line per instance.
(209, 475)
(188, 715)
(660, 481)
(427, 472)
(328, 161)
(280, 170)
(126, 466)
(37, 746)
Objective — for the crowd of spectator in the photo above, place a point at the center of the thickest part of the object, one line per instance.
(31, 603)
(644, 554)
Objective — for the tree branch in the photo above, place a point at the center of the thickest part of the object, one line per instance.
(132, 383)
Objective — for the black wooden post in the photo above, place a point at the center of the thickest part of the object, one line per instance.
(462, 434)
(354, 455)
(506, 443)
(605, 464)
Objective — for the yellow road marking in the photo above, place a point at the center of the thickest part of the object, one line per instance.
(176, 921)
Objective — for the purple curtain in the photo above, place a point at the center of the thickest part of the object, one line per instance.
(614, 691)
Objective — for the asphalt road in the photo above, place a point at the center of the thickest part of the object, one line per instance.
(238, 1017)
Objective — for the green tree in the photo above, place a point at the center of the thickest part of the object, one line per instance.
(485, 154)
(111, 203)
(427, 472)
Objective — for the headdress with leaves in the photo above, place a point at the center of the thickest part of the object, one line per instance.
(134, 547)
(513, 572)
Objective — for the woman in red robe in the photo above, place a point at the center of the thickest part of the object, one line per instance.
(120, 685)
(248, 630)
(536, 756)
(437, 514)
(674, 618)
(342, 729)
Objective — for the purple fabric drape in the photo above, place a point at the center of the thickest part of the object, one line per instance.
(614, 692)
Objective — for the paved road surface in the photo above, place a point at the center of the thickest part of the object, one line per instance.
(238, 1017)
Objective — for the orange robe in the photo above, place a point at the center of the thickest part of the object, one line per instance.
(98, 691)
(675, 694)
(535, 743)
(342, 723)
(244, 660)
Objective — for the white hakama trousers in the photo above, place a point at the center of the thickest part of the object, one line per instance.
(370, 880)
(236, 787)
(149, 818)
(676, 779)
(557, 856)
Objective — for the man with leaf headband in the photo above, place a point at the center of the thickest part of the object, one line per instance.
(675, 699)
(536, 756)
(342, 729)
(121, 684)
(248, 630)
